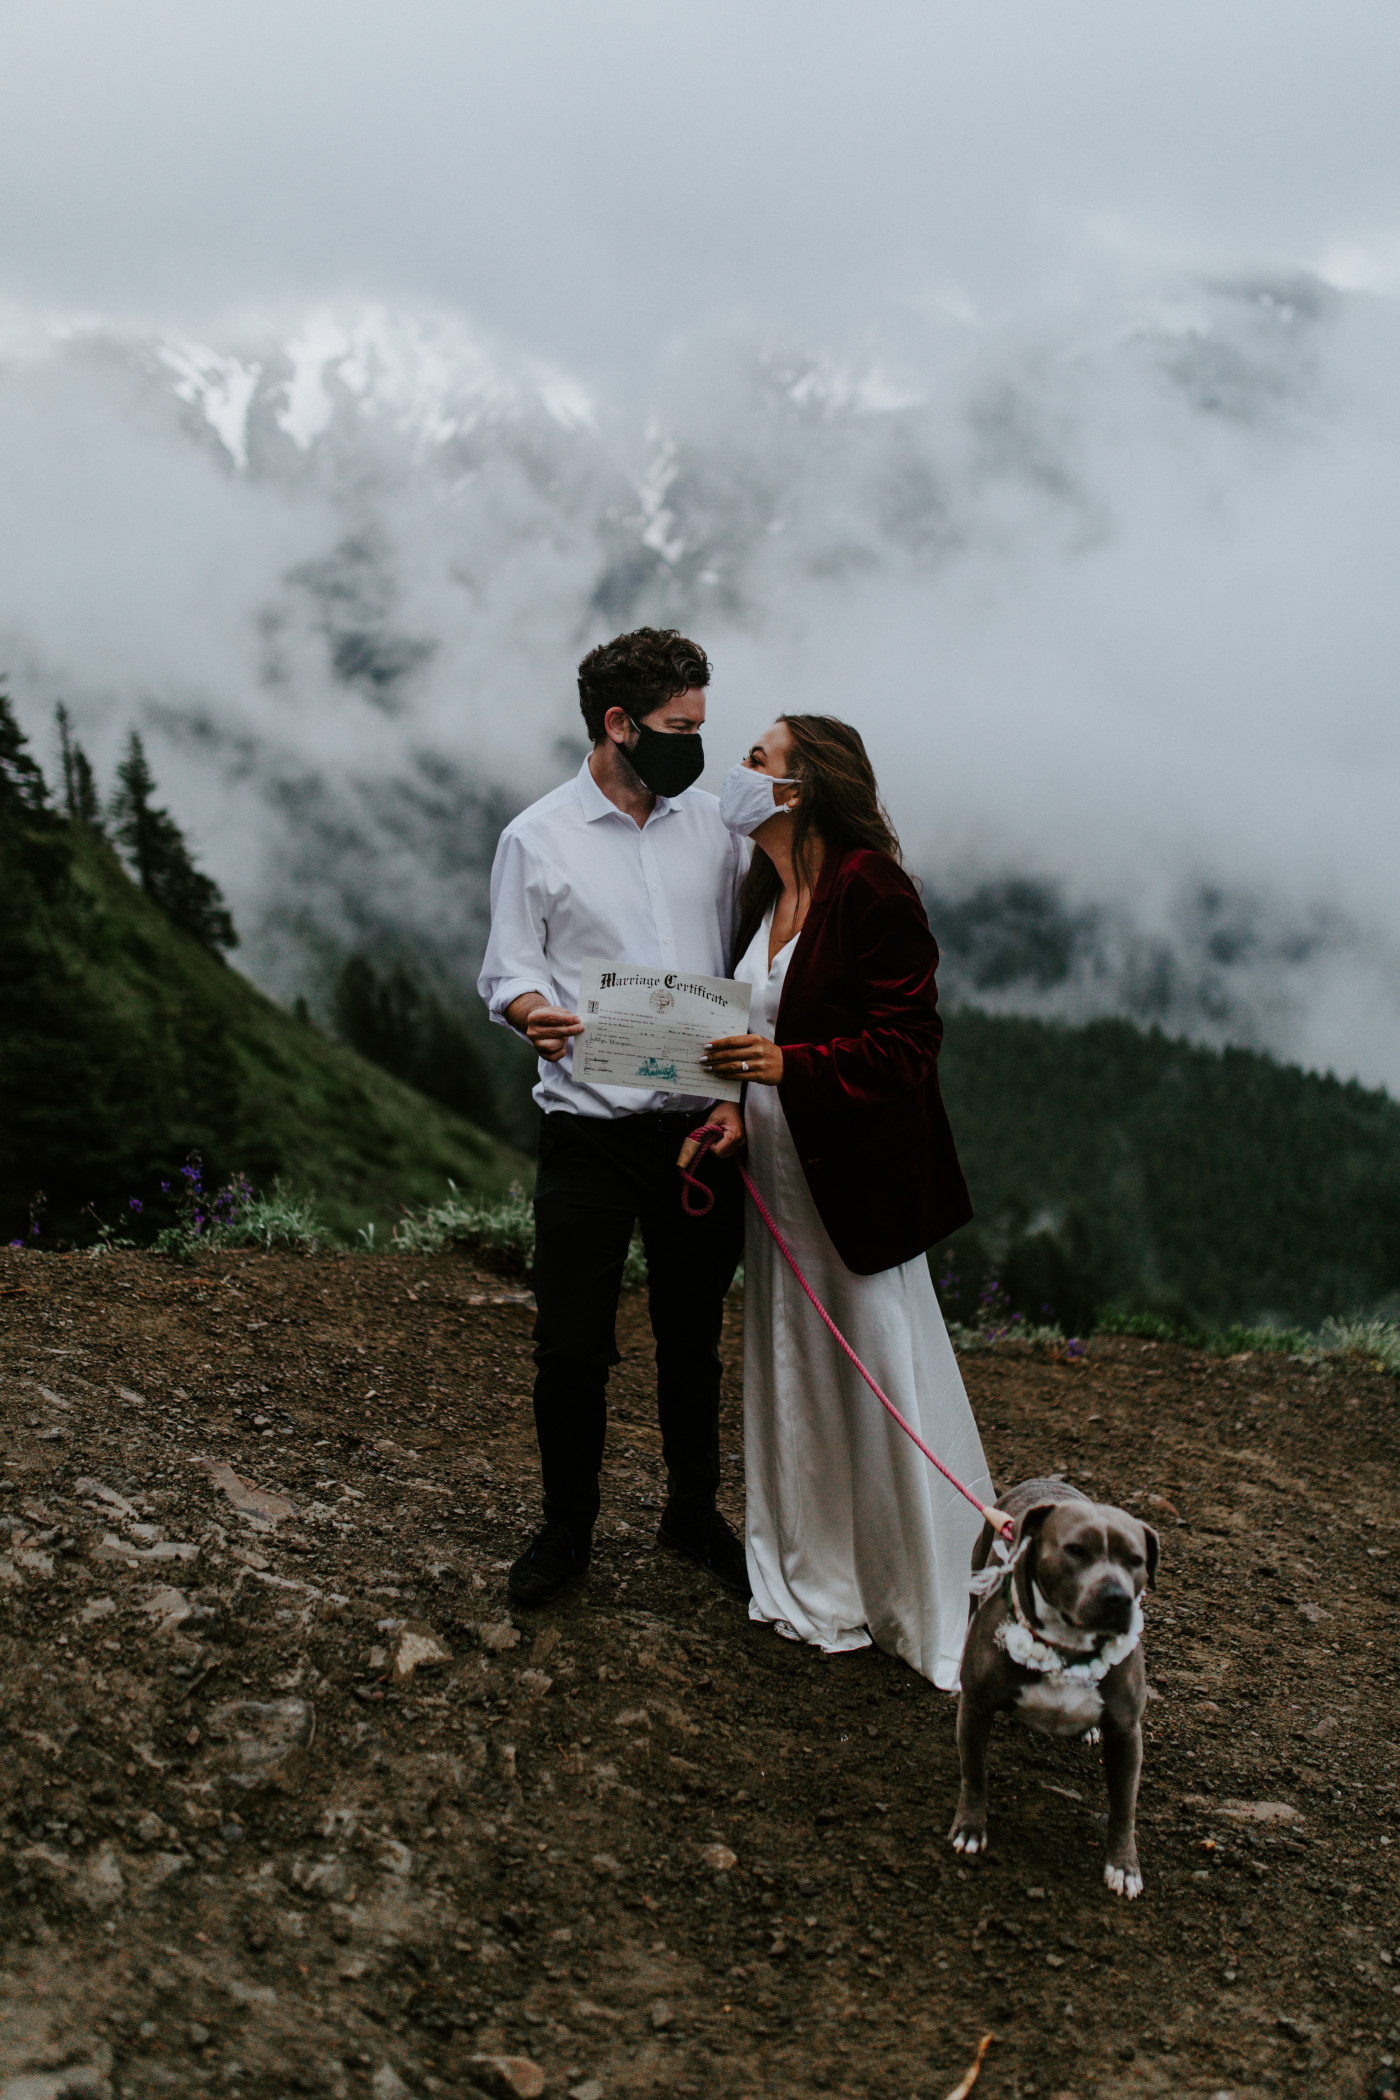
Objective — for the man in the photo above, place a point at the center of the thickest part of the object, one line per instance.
(630, 863)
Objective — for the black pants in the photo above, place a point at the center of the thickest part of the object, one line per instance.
(596, 1180)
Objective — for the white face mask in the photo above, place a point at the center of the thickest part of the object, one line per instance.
(746, 799)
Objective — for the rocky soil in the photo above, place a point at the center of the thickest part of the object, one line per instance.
(292, 1803)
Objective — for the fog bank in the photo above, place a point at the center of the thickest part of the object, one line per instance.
(1104, 578)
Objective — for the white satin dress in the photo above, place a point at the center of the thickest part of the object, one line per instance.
(851, 1534)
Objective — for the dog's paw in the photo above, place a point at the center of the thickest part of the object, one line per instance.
(1091, 1736)
(968, 1834)
(1124, 1881)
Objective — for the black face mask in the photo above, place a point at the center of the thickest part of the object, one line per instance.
(667, 762)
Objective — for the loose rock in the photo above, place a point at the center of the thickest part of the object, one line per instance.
(254, 1502)
(169, 1608)
(105, 1495)
(260, 1744)
(78, 2082)
(387, 2085)
(1261, 1811)
(417, 1647)
(507, 2077)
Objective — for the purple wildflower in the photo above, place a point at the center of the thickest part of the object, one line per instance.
(134, 1203)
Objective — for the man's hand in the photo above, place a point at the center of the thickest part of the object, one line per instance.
(726, 1114)
(750, 1057)
(547, 1028)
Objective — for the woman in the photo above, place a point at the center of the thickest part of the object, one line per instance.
(851, 1534)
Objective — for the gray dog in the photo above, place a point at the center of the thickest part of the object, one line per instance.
(1056, 1642)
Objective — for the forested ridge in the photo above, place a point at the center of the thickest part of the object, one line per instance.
(128, 1044)
(1114, 1165)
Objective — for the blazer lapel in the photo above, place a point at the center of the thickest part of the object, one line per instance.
(800, 966)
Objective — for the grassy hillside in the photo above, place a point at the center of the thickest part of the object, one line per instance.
(125, 1045)
(1113, 1166)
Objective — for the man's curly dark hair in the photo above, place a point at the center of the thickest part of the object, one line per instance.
(640, 672)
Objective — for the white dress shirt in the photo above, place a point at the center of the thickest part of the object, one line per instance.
(575, 877)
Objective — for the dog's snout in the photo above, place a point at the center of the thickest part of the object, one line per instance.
(1111, 1606)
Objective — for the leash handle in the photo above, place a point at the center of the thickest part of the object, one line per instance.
(693, 1189)
(707, 1135)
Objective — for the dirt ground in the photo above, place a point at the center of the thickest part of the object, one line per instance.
(245, 1847)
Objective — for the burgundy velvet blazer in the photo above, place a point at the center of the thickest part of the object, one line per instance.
(859, 1029)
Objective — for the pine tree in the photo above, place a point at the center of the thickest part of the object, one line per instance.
(81, 801)
(22, 784)
(160, 858)
(406, 1030)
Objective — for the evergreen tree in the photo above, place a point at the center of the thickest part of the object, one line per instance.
(160, 859)
(22, 784)
(406, 1030)
(81, 801)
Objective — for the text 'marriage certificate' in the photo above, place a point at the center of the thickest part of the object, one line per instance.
(649, 1028)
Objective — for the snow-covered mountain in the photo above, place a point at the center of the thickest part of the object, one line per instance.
(1107, 586)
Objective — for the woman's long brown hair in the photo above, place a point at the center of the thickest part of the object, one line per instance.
(840, 806)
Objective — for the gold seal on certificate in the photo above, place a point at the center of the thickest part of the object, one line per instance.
(649, 1028)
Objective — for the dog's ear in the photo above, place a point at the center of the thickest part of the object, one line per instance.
(1029, 1531)
(1154, 1553)
(1033, 1522)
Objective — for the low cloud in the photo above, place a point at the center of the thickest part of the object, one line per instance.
(1103, 581)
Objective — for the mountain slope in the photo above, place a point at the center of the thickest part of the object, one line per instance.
(1113, 1165)
(124, 1046)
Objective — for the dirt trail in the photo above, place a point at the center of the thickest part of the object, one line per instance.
(632, 1839)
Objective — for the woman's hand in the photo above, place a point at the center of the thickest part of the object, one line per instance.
(745, 1057)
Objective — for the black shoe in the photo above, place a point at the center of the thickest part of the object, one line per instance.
(552, 1560)
(709, 1540)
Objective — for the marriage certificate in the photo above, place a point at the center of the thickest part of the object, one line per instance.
(649, 1028)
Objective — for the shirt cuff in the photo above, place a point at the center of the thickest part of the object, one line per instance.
(509, 991)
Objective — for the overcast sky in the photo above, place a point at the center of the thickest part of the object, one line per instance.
(591, 177)
(1151, 641)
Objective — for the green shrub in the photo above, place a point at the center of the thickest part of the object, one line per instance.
(503, 1228)
(237, 1216)
(1218, 1341)
(1377, 1341)
(1147, 1327)
(503, 1231)
(1041, 1337)
(1374, 1340)
(1264, 1341)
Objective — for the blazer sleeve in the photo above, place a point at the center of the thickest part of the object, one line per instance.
(895, 960)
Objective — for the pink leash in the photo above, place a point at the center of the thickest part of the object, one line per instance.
(708, 1135)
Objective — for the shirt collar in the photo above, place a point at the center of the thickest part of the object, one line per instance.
(595, 803)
